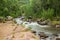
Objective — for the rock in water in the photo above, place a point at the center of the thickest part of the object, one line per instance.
(57, 26)
(9, 18)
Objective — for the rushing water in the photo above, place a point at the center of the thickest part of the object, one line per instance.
(38, 28)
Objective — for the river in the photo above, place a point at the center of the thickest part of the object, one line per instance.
(39, 28)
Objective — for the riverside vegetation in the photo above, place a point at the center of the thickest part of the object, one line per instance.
(45, 12)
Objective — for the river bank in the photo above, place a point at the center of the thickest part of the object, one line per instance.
(12, 31)
(46, 30)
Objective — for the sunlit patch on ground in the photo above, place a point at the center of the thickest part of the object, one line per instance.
(11, 31)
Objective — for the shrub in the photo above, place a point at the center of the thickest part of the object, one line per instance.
(46, 14)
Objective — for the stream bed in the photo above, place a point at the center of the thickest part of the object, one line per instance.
(39, 28)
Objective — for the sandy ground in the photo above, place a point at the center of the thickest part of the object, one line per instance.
(12, 31)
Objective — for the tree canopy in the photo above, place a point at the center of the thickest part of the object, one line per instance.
(34, 8)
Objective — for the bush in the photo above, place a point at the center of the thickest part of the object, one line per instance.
(46, 14)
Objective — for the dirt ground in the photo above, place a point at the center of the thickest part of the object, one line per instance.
(12, 31)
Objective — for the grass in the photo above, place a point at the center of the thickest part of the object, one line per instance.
(55, 22)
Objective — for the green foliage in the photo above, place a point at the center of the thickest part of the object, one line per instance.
(47, 14)
(9, 7)
(34, 8)
(55, 22)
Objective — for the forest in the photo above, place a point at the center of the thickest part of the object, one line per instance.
(46, 9)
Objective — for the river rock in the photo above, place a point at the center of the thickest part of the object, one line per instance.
(57, 38)
(55, 35)
(43, 35)
(58, 26)
(43, 23)
(9, 18)
(34, 32)
(30, 17)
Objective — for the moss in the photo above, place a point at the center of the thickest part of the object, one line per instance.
(55, 22)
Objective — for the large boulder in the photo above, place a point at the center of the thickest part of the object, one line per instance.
(43, 22)
(43, 35)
